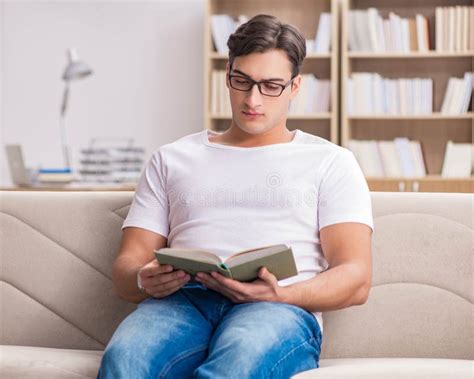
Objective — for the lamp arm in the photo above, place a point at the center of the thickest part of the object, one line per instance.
(62, 125)
(65, 99)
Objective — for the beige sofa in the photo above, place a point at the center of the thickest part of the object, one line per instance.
(59, 309)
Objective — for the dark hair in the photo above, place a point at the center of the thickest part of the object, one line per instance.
(264, 32)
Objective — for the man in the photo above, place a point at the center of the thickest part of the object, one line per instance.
(254, 185)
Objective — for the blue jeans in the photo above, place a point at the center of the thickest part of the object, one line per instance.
(199, 333)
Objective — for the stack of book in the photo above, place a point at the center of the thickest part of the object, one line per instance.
(458, 94)
(314, 96)
(398, 158)
(369, 93)
(111, 165)
(369, 32)
(454, 28)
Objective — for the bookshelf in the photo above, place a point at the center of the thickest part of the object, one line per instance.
(432, 130)
(304, 14)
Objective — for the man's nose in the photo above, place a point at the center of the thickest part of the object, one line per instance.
(253, 97)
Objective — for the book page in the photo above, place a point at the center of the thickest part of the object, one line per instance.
(248, 251)
(249, 255)
(195, 255)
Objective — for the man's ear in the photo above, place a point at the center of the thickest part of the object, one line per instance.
(295, 86)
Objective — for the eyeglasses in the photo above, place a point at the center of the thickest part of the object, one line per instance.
(266, 88)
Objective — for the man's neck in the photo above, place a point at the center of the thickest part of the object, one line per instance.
(235, 136)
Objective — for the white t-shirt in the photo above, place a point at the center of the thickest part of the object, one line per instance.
(224, 198)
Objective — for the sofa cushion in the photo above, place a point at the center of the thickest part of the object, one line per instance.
(391, 368)
(24, 362)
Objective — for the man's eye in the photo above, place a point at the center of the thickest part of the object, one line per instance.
(241, 81)
(271, 86)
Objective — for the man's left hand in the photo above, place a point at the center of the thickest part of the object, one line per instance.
(265, 288)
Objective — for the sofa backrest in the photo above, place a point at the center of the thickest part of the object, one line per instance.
(57, 250)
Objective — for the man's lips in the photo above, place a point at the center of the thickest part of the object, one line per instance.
(248, 113)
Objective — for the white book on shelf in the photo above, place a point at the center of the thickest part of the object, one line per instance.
(448, 95)
(458, 97)
(325, 100)
(439, 29)
(405, 35)
(394, 96)
(306, 89)
(362, 25)
(375, 160)
(380, 33)
(396, 31)
(377, 94)
(221, 78)
(459, 28)
(402, 146)
(471, 29)
(446, 22)
(318, 91)
(214, 92)
(352, 32)
(372, 16)
(387, 35)
(451, 28)
(402, 91)
(421, 32)
(318, 94)
(420, 169)
(457, 160)
(417, 99)
(362, 93)
(409, 96)
(429, 95)
(323, 35)
(465, 29)
(386, 96)
(302, 95)
(310, 98)
(389, 157)
(468, 83)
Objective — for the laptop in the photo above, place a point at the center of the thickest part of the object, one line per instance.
(20, 175)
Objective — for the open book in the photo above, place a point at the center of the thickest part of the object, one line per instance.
(242, 266)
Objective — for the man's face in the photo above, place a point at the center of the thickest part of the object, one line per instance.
(253, 112)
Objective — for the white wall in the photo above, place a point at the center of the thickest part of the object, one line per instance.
(147, 58)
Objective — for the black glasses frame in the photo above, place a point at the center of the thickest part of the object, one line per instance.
(253, 82)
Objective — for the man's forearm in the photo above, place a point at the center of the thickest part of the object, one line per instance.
(339, 287)
(125, 279)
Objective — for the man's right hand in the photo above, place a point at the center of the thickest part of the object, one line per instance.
(160, 280)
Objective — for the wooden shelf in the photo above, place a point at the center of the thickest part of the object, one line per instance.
(433, 116)
(432, 130)
(425, 55)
